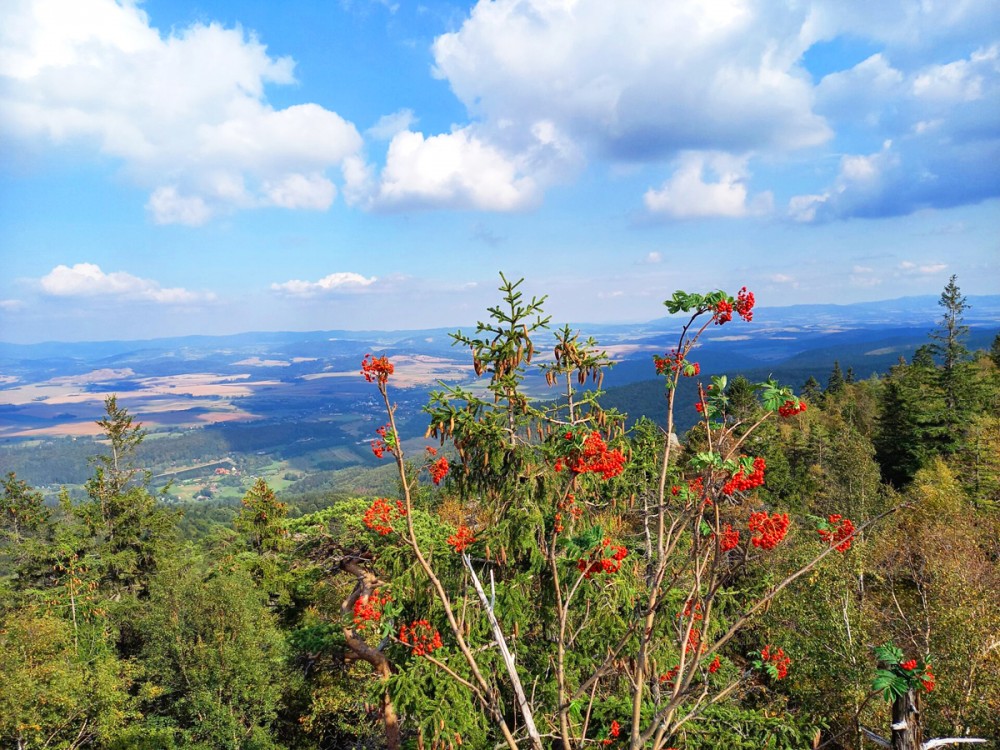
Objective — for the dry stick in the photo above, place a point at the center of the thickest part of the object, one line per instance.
(435, 581)
(561, 646)
(695, 712)
(586, 718)
(457, 677)
(522, 699)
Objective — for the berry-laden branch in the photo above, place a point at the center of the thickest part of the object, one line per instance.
(613, 556)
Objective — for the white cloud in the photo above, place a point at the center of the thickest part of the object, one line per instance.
(301, 191)
(184, 113)
(782, 278)
(687, 194)
(941, 120)
(169, 207)
(11, 305)
(909, 268)
(88, 280)
(651, 258)
(342, 281)
(859, 188)
(637, 79)
(388, 125)
(458, 170)
(952, 82)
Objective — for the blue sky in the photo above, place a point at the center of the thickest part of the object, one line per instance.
(178, 166)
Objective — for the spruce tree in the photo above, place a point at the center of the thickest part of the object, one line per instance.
(835, 383)
(811, 390)
(949, 346)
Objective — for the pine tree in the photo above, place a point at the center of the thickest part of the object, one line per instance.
(130, 528)
(811, 390)
(835, 383)
(899, 445)
(995, 350)
(949, 346)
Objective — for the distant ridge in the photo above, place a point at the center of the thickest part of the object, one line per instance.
(899, 312)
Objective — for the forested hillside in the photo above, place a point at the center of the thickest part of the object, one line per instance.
(542, 573)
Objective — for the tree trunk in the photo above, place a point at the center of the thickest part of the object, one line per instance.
(906, 730)
(367, 582)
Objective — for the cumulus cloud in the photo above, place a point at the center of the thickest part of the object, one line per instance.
(859, 189)
(340, 282)
(687, 194)
(944, 126)
(88, 280)
(185, 113)
(651, 258)
(458, 170)
(637, 79)
(645, 81)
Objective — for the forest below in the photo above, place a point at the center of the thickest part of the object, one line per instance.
(540, 573)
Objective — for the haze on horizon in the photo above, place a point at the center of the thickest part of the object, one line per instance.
(174, 167)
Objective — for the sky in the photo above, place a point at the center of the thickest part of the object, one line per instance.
(176, 167)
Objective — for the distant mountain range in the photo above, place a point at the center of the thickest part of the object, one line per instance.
(56, 388)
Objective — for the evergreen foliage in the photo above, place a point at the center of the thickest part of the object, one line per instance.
(359, 624)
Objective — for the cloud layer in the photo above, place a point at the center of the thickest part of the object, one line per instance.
(88, 280)
(339, 282)
(701, 93)
(184, 113)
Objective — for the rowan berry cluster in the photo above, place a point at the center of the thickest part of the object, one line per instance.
(839, 534)
(593, 457)
(421, 637)
(927, 678)
(695, 490)
(380, 515)
(741, 481)
(368, 610)
(462, 538)
(693, 641)
(439, 469)
(776, 657)
(376, 369)
(570, 504)
(668, 678)
(598, 562)
(613, 733)
(723, 313)
(744, 304)
(791, 408)
(674, 362)
(385, 441)
(768, 530)
(714, 666)
(729, 539)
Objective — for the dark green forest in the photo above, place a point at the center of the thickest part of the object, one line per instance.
(545, 573)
